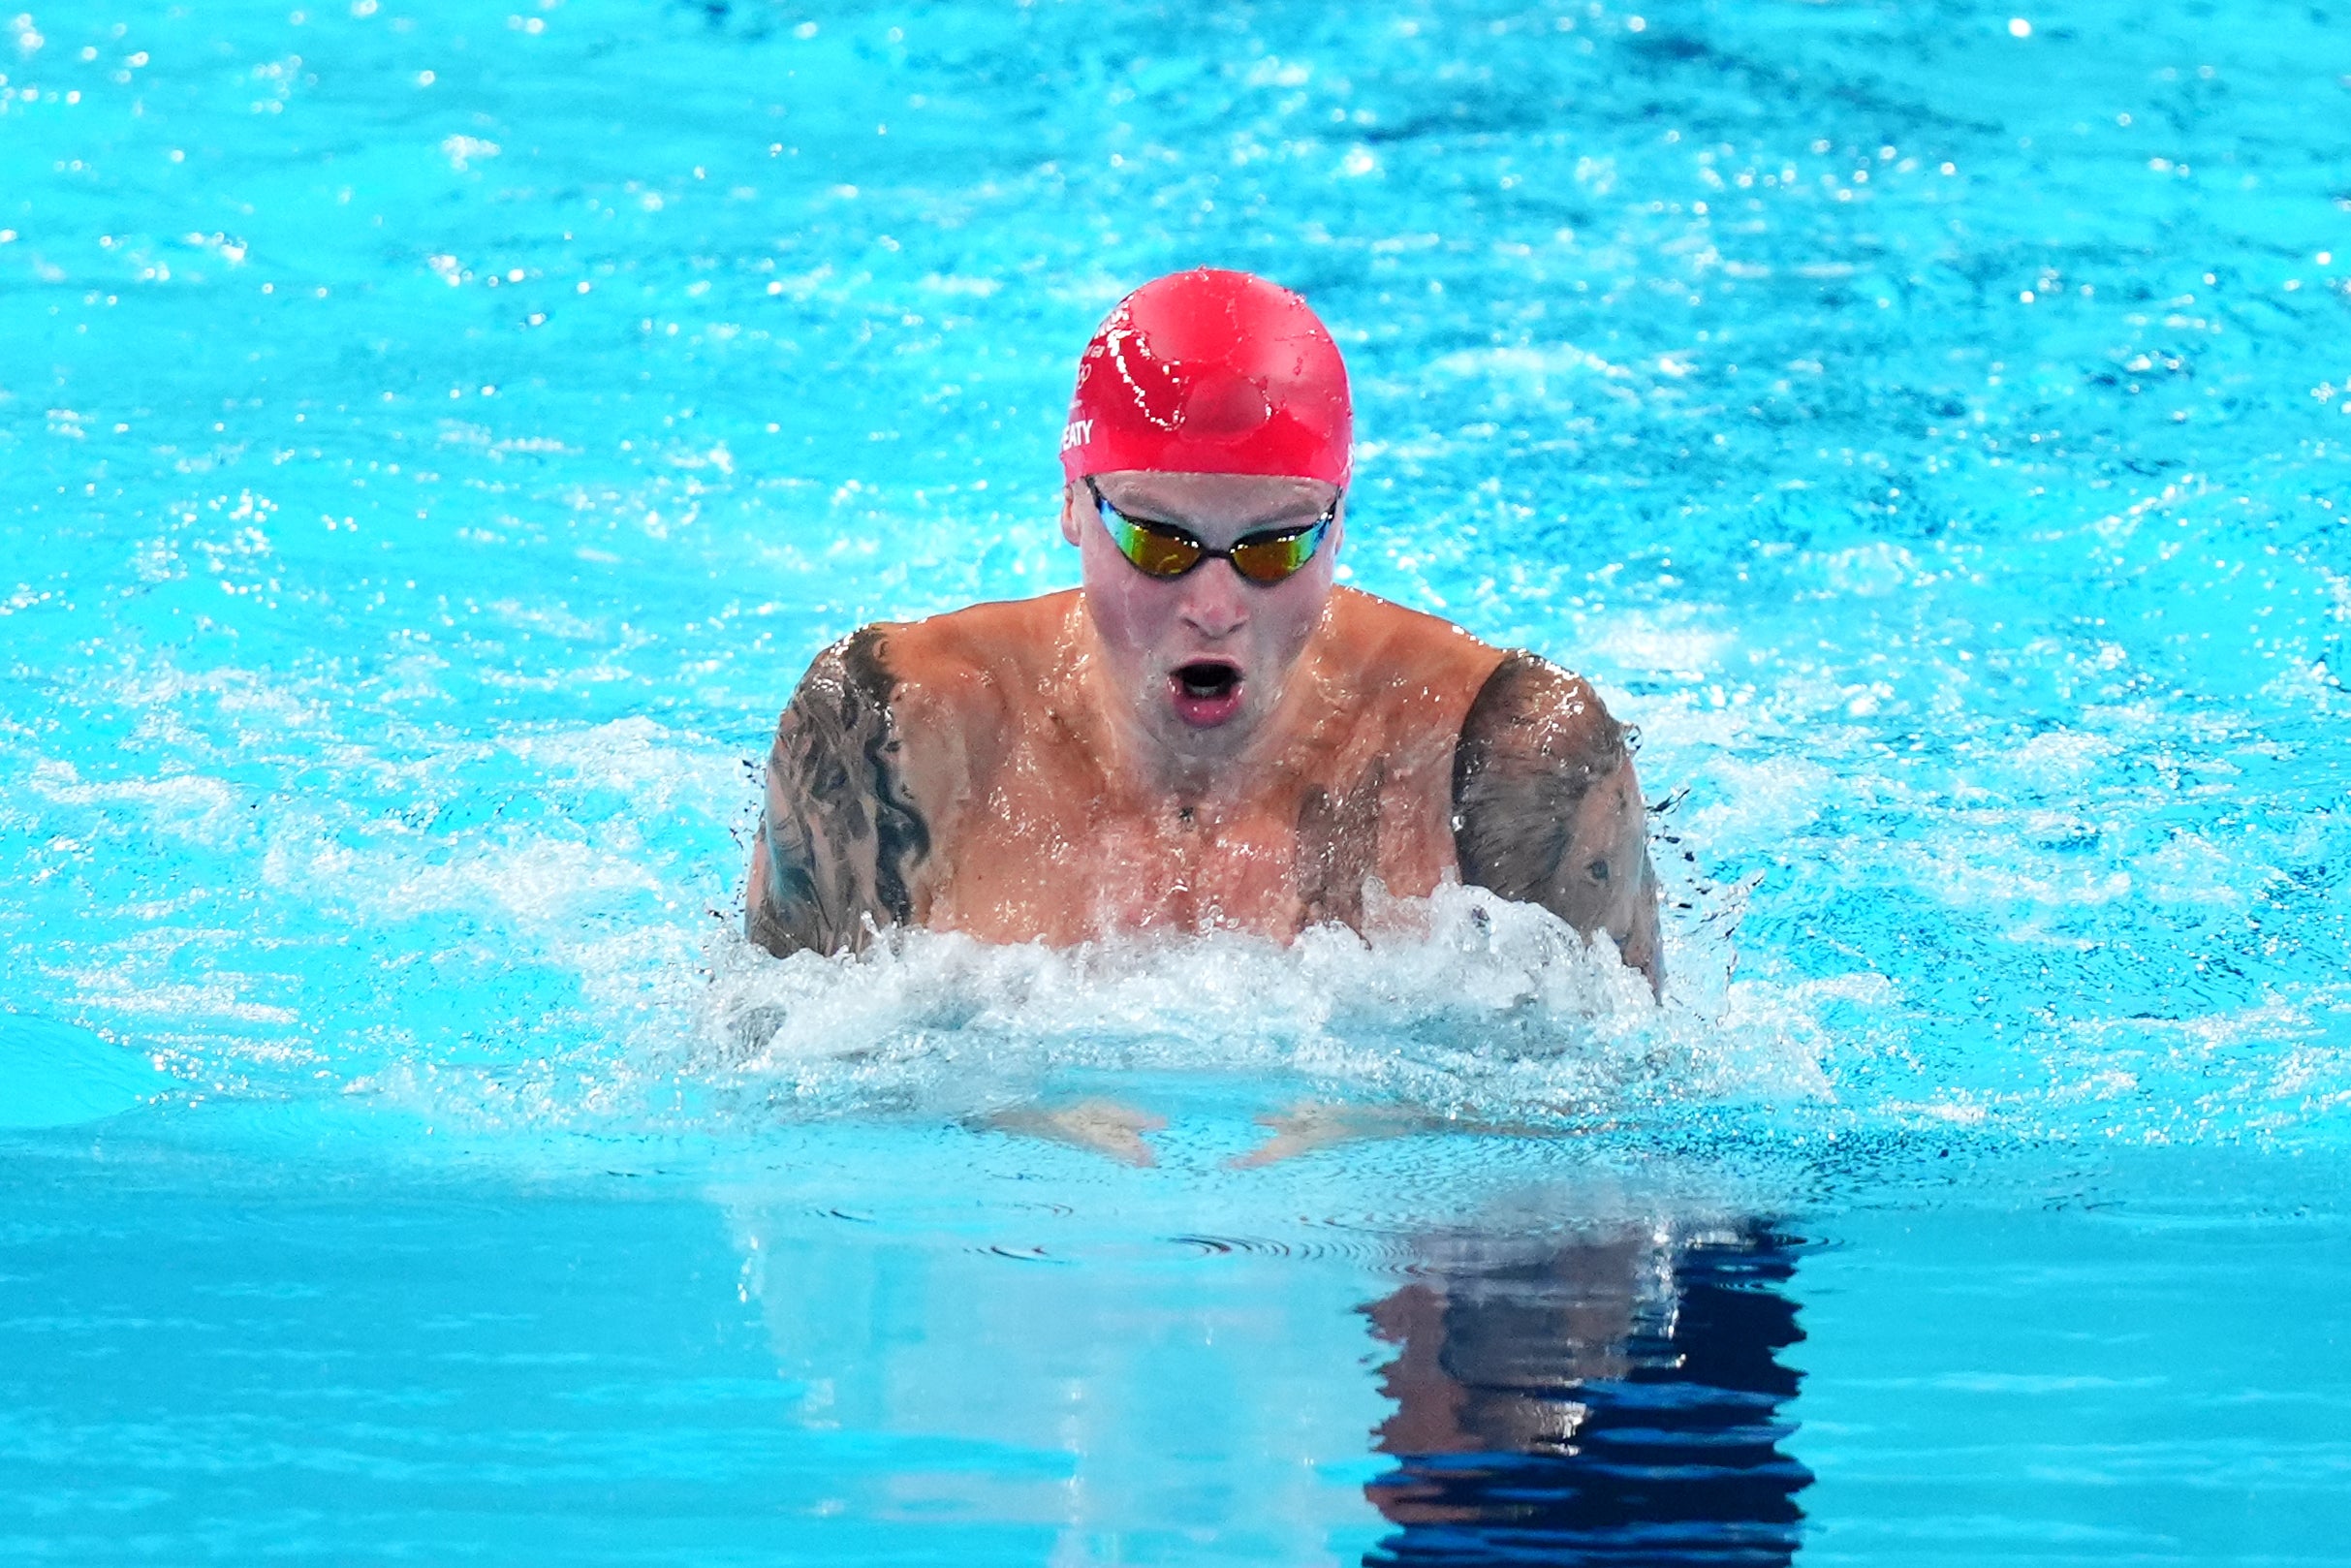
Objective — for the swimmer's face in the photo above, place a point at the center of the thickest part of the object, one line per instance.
(1205, 656)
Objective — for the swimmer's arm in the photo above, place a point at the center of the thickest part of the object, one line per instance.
(1547, 810)
(841, 840)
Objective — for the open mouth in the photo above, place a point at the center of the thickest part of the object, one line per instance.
(1205, 679)
(1207, 692)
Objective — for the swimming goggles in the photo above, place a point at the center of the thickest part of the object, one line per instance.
(1161, 549)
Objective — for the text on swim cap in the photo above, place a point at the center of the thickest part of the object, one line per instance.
(1077, 433)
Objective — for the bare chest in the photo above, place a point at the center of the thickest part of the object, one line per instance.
(1046, 854)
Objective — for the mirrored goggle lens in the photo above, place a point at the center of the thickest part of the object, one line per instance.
(1269, 558)
(1162, 556)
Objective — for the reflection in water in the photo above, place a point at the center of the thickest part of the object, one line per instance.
(1611, 1400)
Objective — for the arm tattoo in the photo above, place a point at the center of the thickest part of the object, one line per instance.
(1545, 810)
(839, 833)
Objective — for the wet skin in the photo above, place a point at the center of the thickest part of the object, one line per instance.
(1185, 754)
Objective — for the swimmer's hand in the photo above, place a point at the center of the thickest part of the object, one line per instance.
(1316, 1124)
(1103, 1126)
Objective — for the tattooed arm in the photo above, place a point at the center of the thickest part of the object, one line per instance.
(1546, 808)
(840, 835)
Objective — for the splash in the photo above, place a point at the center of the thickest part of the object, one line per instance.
(1463, 1005)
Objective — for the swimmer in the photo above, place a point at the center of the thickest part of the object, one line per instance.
(1208, 733)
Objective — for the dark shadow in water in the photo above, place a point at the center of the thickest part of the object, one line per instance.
(1611, 1400)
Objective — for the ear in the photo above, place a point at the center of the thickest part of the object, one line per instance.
(1069, 510)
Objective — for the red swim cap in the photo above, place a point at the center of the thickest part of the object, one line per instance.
(1211, 373)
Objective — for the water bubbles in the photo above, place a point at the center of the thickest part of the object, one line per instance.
(462, 151)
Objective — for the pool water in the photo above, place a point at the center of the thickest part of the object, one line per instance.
(435, 439)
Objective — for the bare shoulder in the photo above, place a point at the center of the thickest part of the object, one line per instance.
(872, 760)
(962, 673)
(1536, 742)
(1548, 810)
(1529, 713)
(1391, 646)
(841, 841)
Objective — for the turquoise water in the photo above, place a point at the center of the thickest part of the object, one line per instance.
(434, 439)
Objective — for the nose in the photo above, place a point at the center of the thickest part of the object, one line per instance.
(1215, 602)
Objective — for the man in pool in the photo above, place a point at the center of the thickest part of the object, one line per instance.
(1207, 733)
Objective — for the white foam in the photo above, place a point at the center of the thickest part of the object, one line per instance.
(203, 809)
(1463, 1005)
